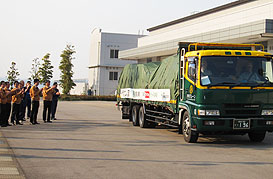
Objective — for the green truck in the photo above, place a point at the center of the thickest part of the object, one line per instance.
(206, 88)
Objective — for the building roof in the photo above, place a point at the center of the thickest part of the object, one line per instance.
(210, 11)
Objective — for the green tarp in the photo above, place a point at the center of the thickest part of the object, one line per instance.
(154, 75)
(166, 76)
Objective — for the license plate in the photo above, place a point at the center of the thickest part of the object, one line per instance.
(241, 124)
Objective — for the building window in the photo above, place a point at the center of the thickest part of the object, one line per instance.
(149, 60)
(113, 75)
(114, 53)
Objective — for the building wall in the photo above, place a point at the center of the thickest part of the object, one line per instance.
(116, 42)
(101, 63)
(108, 87)
(270, 46)
(93, 80)
(79, 89)
(95, 51)
(242, 14)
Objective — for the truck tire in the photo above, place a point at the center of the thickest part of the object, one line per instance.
(143, 123)
(135, 118)
(256, 136)
(124, 116)
(189, 135)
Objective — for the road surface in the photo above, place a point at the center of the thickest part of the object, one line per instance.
(89, 140)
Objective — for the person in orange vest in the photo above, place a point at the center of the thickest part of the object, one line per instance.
(16, 101)
(35, 94)
(8, 104)
(47, 97)
(3, 102)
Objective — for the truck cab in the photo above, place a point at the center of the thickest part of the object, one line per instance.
(225, 89)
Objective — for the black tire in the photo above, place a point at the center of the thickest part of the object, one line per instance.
(135, 117)
(180, 130)
(256, 136)
(189, 135)
(124, 116)
(143, 123)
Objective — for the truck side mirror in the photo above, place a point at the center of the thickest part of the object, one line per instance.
(192, 71)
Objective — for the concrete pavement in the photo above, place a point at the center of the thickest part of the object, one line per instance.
(89, 140)
(9, 167)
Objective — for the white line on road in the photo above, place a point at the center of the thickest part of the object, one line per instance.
(9, 171)
(5, 159)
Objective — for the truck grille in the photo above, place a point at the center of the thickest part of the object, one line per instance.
(241, 110)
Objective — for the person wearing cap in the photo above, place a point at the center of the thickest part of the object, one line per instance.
(47, 97)
(35, 94)
(54, 104)
(16, 102)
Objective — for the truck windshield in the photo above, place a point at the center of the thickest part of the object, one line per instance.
(236, 71)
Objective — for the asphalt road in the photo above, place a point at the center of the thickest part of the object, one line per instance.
(89, 140)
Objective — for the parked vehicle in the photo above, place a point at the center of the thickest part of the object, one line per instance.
(206, 88)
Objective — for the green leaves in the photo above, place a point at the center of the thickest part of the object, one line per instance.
(66, 69)
(45, 71)
(13, 73)
(35, 69)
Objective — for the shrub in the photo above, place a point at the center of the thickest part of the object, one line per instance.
(87, 98)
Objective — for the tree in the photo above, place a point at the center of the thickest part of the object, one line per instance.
(45, 70)
(13, 73)
(34, 73)
(66, 69)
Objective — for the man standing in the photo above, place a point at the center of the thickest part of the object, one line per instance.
(3, 101)
(22, 109)
(35, 94)
(56, 95)
(47, 97)
(16, 102)
(8, 105)
(27, 101)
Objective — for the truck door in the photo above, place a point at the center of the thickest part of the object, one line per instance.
(191, 76)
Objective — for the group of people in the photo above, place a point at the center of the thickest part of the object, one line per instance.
(15, 101)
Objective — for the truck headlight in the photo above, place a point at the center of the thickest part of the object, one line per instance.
(267, 112)
(212, 113)
(202, 112)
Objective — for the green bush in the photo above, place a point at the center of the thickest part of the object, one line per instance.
(87, 98)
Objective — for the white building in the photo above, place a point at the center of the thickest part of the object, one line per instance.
(243, 21)
(105, 66)
(81, 87)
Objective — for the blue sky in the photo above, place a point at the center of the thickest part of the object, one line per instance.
(32, 28)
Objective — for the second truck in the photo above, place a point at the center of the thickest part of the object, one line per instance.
(206, 88)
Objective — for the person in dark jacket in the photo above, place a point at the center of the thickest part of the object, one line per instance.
(27, 101)
(54, 104)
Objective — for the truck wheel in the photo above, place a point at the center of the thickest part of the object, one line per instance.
(135, 118)
(189, 135)
(143, 123)
(256, 136)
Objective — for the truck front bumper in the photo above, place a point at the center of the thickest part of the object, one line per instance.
(215, 124)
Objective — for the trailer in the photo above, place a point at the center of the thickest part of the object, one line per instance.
(206, 88)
